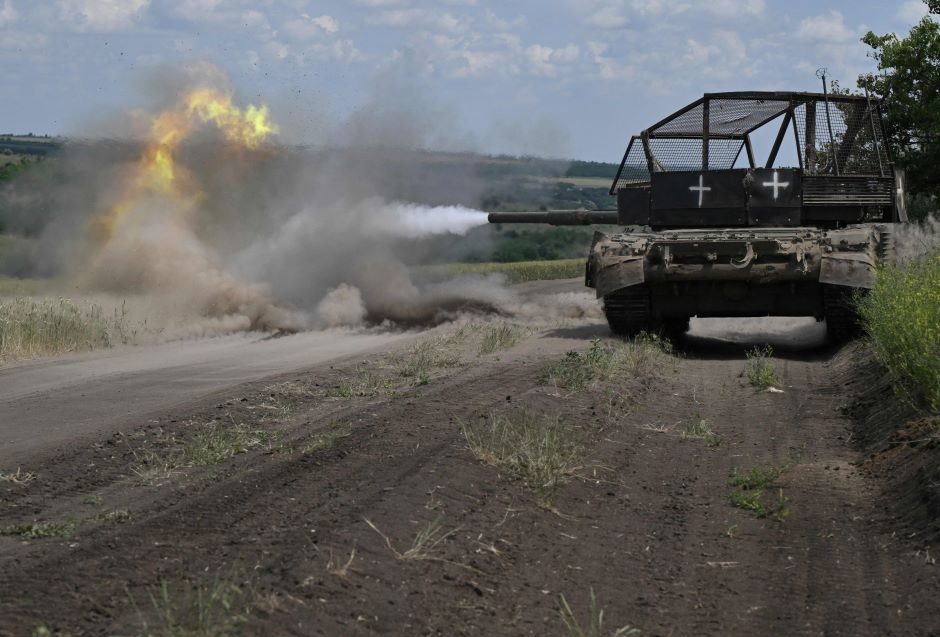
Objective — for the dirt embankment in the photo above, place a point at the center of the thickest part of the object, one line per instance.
(376, 496)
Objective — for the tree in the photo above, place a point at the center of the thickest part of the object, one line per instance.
(909, 84)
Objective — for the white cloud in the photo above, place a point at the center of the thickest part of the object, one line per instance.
(544, 60)
(8, 13)
(18, 41)
(327, 23)
(381, 4)
(306, 28)
(736, 8)
(418, 18)
(912, 11)
(101, 15)
(825, 29)
(197, 10)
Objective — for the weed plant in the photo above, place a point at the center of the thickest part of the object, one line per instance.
(38, 530)
(201, 608)
(213, 445)
(604, 361)
(42, 327)
(901, 316)
(537, 449)
(595, 624)
(758, 368)
(363, 385)
(500, 337)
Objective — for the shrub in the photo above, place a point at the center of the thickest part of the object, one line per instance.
(901, 316)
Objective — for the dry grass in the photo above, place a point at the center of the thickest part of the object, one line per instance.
(31, 327)
(537, 449)
(425, 543)
(595, 621)
(206, 608)
(607, 360)
(17, 477)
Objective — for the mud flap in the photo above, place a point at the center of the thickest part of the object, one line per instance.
(851, 269)
(616, 275)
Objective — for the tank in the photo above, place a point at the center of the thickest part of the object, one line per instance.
(711, 229)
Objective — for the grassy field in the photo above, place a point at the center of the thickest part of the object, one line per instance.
(33, 327)
(518, 272)
(902, 317)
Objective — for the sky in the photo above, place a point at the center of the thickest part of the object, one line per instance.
(559, 78)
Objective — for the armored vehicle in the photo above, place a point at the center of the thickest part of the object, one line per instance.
(713, 230)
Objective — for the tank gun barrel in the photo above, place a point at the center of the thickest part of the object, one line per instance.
(557, 217)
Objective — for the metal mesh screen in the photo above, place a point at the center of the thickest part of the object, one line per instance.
(857, 141)
(725, 117)
(856, 145)
(634, 169)
(674, 154)
(686, 153)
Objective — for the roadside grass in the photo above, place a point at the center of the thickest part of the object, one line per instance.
(750, 486)
(520, 271)
(757, 478)
(214, 444)
(698, 427)
(603, 361)
(500, 337)
(535, 448)
(901, 316)
(213, 608)
(33, 327)
(363, 385)
(39, 530)
(318, 441)
(17, 477)
(753, 502)
(595, 621)
(422, 359)
(760, 372)
(425, 543)
(119, 516)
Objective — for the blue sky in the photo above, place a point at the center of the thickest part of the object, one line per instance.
(571, 78)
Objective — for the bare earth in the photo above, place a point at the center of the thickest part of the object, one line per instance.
(644, 521)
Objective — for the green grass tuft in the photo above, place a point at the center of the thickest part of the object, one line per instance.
(595, 623)
(499, 337)
(758, 368)
(604, 361)
(38, 530)
(538, 449)
(902, 318)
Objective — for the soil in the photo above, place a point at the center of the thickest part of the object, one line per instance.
(644, 523)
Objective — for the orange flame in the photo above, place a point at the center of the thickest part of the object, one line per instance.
(157, 172)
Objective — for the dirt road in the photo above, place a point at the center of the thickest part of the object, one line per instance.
(49, 403)
(353, 504)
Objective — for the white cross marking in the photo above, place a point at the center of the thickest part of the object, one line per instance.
(701, 189)
(776, 184)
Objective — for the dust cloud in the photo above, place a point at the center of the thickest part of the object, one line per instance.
(203, 216)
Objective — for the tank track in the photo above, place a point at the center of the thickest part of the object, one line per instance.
(628, 311)
(842, 321)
